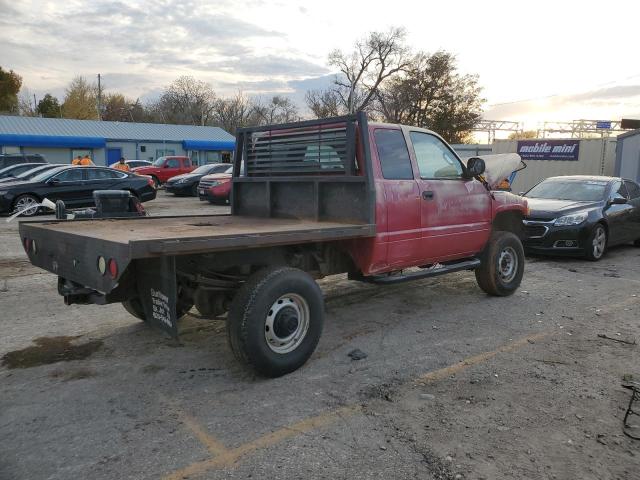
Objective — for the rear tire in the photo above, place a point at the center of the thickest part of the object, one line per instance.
(596, 243)
(636, 243)
(194, 190)
(502, 265)
(24, 201)
(275, 320)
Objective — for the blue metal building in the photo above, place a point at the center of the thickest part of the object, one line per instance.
(61, 140)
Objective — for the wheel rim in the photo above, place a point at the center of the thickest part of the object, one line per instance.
(25, 203)
(507, 264)
(599, 242)
(286, 323)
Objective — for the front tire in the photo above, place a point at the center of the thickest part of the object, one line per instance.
(275, 320)
(596, 243)
(25, 201)
(502, 265)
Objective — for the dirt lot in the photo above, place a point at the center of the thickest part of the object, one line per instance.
(456, 385)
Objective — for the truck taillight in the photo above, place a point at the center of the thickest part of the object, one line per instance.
(26, 242)
(113, 268)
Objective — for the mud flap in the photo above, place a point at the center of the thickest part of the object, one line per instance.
(157, 288)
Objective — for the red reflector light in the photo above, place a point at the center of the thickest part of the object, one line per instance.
(113, 268)
(27, 244)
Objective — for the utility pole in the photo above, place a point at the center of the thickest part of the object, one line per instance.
(35, 104)
(99, 99)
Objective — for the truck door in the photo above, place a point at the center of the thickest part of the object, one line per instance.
(172, 167)
(401, 197)
(455, 211)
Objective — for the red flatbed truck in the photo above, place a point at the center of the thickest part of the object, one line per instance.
(309, 199)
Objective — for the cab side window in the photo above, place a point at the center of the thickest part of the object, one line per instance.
(71, 175)
(633, 189)
(434, 159)
(393, 154)
(172, 163)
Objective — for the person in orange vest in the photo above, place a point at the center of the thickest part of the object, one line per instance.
(86, 161)
(121, 165)
(77, 160)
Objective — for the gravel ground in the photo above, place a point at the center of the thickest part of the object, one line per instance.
(455, 385)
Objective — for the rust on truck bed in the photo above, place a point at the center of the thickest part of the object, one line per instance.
(151, 236)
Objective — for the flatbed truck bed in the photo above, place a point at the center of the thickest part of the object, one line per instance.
(145, 237)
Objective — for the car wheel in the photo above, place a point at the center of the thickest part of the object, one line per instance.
(28, 203)
(502, 265)
(275, 320)
(596, 243)
(194, 190)
(636, 243)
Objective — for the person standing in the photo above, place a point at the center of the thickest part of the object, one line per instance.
(77, 160)
(86, 161)
(122, 165)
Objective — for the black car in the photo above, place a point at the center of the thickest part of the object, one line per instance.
(582, 215)
(74, 185)
(8, 159)
(187, 183)
(33, 170)
(14, 170)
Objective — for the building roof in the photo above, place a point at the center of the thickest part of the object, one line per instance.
(12, 126)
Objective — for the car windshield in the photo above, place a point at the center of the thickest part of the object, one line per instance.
(203, 170)
(579, 191)
(159, 161)
(47, 173)
(229, 170)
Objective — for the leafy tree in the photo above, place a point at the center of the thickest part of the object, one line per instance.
(524, 135)
(80, 101)
(10, 83)
(49, 107)
(431, 94)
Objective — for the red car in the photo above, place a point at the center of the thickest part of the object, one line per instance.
(166, 167)
(216, 187)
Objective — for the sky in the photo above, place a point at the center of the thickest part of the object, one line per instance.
(537, 61)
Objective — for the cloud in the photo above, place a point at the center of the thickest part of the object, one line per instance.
(144, 45)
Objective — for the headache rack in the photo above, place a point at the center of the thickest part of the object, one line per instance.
(318, 170)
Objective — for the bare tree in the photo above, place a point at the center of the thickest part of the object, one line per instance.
(186, 101)
(323, 103)
(376, 58)
(233, 113)
(278, 110)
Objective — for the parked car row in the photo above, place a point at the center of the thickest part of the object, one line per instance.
(72, 184)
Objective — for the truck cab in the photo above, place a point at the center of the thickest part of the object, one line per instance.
(163, 168)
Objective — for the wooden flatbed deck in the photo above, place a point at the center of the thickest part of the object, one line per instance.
(151, 236)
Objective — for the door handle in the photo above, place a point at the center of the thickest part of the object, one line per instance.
(427, 195)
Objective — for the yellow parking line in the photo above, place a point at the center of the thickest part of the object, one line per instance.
(483, 357)
(231, 456)
(227, 457)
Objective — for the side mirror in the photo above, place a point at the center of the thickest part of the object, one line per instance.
(618, 201)
(475, 167)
